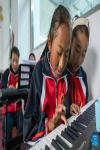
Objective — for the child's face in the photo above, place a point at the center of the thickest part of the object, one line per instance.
(78, 50)
(60, 49)
(14, 62)
(31, 58)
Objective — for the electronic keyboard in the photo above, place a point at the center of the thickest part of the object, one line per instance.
(76, 136)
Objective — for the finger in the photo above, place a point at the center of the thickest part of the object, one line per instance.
(62, 106)
(74, 109)
(72, 113)
(60, 111)
(64, 119)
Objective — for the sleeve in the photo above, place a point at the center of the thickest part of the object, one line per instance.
(4, 79)
(4, 82)
(87, 93)
(34, 119)
(67, 105)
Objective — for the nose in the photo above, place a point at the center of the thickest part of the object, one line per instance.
(79, 59)
(15, 63)
(61, 62)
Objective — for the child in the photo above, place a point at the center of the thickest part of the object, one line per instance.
(10, 80)
(32, 56)
(78, 89)
(48, 103)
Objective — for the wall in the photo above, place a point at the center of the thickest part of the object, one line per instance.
(20, 24)
(92, 61)
(4, 35)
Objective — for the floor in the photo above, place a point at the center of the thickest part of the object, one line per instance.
(14, 132)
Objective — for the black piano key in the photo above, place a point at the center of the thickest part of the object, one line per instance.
(73, 131)
(62, 143)
(67, 137)
(82, 121)
(85, 116)
(85, 119)
(80, 125)
(47, 148)
(74, 137)
(76, 128)
(55, 145)
(88, 115)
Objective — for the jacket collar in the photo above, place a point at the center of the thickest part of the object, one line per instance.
(79, 71)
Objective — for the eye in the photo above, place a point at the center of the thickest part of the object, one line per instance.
(66, 56)
(83, 55)
(59, 53)
(77, 51)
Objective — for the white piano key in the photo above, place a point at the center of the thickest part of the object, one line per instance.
(43, 144)
(33, 148)
(51, 138)
(48, 142)
(38, 146)
(57, 132)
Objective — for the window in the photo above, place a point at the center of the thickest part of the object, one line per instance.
(41, 14)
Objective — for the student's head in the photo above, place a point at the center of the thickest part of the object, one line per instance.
(14, 58)
(59, 39)
(79, 43)
(32, 56)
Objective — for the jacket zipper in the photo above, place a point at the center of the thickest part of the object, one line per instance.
(55, 84)
(72, 92)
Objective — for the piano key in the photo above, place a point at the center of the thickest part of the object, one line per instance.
(58, 132)
(82, 121)
(33, 148)
(80, 125)
(51, 138)
(67, 137)
(38, 146)
(62, 143)
(48, 143)
(73, 131)
(85, 116)
(76, 128)
(74, 137)
(55, 145)
(47, 148)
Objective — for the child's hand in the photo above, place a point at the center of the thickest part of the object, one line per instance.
(11, 86)
(74, 109)
(59, 115)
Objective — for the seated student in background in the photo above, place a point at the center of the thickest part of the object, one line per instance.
(32, 56)
(10, 80)
(48, 102)
(78, 89)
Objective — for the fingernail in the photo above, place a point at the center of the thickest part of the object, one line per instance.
(64, 107)
(60, 109)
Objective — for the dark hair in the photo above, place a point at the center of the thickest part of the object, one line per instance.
(14, 50)
(60, 16)
(32, 54)
(82, 28)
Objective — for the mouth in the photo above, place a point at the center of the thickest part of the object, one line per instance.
(59, 72)
(77, 66)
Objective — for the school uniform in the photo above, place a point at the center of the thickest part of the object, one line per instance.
(14, 112)
(45, 94)
(78, 88)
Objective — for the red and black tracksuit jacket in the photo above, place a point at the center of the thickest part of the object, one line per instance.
(44, 96)
(78, 89)
(10, 78)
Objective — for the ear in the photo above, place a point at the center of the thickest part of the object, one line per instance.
(49, 42)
